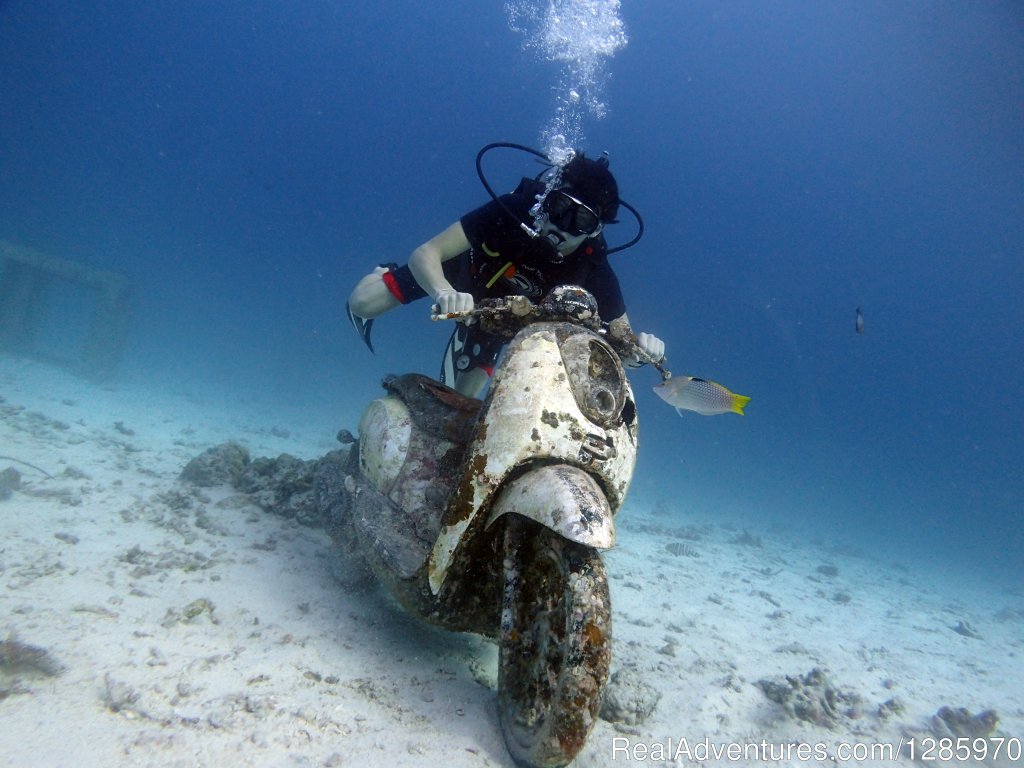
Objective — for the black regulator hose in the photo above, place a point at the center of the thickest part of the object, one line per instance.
(483, 179)
(639, 230)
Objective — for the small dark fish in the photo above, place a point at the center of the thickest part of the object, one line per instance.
(860, 321)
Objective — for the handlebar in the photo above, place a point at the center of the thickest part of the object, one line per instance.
(506, 316)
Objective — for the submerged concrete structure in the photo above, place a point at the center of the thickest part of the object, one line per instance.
(34, 294)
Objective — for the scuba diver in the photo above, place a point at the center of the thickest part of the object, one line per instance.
(494, 251)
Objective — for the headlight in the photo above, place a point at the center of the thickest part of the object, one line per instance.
(596, 377)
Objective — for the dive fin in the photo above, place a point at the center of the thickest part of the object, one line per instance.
(450, 364)
(362, 326)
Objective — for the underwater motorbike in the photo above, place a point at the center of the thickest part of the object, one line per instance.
(489, 517)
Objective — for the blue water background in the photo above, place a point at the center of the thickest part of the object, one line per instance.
(247, 162)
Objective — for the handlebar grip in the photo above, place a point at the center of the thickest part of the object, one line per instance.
(436, 315)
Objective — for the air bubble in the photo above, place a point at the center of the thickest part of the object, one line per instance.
(581, 35)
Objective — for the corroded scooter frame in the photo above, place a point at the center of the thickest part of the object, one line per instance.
(490, 517)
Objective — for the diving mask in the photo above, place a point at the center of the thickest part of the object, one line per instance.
(571, 215)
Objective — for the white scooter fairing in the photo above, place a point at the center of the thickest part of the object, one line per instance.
(558, 398)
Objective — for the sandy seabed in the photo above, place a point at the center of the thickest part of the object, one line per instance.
(146, 622)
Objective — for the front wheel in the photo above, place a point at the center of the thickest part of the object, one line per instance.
(555, 644)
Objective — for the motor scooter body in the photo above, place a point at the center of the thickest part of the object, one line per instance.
(556, 443)
(481, 516)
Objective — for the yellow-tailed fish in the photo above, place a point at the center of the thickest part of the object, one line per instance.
(700, 396)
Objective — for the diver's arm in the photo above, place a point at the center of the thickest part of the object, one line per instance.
(425, 265)
(371, 296)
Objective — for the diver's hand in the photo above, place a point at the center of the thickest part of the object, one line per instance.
(652, 349)
(449, 300)
(652, 346)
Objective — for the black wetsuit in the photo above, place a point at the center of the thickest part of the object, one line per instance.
(503, 260)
